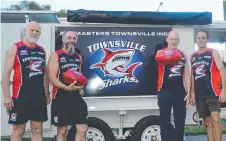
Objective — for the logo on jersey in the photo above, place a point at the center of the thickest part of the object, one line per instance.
(63, 59)
(193, 59)
(200, 71)
(175, 70)
(35, 67)
(23, 52)
(114, 63)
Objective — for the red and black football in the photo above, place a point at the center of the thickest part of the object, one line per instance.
(168, 56)
(71, 75)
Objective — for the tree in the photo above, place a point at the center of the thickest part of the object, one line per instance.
(62, 13)
(28, 5)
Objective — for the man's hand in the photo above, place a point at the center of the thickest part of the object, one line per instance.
(222, 97)
(81, 92)
(192, 99)
(8, 102)
(187, 99)
(72, 87)
(48, 99)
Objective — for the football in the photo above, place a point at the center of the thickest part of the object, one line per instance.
(168, 56)
(71, 75)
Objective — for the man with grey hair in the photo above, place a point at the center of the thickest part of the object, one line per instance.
(30, 94)
(66, 97)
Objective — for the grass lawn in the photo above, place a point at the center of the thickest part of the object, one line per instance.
(200, 130)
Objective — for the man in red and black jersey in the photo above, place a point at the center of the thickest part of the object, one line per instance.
(30, 84)
(173, 91)
(208, 73)
(68, 106)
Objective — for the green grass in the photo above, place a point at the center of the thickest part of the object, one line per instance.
(200, 129)
(28, 139)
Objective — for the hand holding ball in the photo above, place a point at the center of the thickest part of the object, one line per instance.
(168, 56)
(72, 75)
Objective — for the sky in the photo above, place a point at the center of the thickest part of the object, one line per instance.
(214, 6)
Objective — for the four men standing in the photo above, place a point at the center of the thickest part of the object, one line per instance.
(31, 91)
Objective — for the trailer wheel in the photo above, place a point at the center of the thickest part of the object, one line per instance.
(98, 131)
(147, 129)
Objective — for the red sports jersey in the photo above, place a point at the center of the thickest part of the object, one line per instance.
(170, 77)
(28, 69)
(206, 74)
(66, 61)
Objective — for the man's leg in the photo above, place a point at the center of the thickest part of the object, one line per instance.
(217, 130)
(203, 111)
(165, 106)
(179, 111)
(209, 127)
(36, 129)
(81, 132)
(61, 133)
(215, 109)
(18, 131)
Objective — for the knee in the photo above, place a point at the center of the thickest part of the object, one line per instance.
(18, 131)
(82, 129)
(215, 120)
(36, 130)
(62, 132)
(208, 122)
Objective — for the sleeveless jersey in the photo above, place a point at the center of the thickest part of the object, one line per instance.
(29, 70)
(170, 77)
(206, 74)
(66, 61)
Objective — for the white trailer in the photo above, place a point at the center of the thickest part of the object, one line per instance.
(110, 117)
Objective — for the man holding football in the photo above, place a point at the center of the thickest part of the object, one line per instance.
(66, 97)
(173, 90)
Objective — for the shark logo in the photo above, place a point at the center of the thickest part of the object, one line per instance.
(35, 66)
(113, 62)
(199, 70)
(176, 69)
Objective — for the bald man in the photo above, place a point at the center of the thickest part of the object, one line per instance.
(173, 91)
(30, 94)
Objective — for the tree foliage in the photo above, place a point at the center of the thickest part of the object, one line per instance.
(34, 6)
(62, 13)
(28, 5)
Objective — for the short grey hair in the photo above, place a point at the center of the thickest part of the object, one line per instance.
(72, 30)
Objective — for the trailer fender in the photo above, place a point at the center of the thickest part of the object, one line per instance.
(97, 130)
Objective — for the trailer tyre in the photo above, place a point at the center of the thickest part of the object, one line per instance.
(147, 129)
(98, 131)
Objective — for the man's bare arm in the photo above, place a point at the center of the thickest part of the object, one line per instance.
(46, 81)
(187, 78)
(187, 81)
(221, 68)
(8, 66)
(7, 69)
(53, 67)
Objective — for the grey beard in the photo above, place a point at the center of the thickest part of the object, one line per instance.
(70, 50)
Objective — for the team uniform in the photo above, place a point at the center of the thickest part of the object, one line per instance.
(28, 85)
(207, 82)
(171, 93)
(68, 107)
